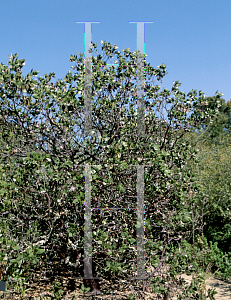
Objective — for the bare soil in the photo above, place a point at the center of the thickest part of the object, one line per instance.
(223, 288)
(41, 288)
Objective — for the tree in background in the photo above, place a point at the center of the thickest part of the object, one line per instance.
(220, 127)
(212, 167)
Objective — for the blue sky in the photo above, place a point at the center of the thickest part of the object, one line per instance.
(191, 37)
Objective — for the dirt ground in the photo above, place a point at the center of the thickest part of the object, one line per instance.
(42, 289)
(223, 288)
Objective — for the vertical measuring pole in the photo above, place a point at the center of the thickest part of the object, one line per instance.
(140, 223)
(140, 168)
(87, 226)
(88, 71)
(87, 131)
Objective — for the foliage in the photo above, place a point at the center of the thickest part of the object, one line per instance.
(203, 257)
(212, 170)
(43, 187)
(219, 128)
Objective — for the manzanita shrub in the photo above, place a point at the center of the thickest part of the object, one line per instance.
(44, 154)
